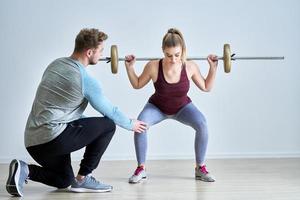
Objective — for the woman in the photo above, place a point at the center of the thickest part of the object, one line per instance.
(171, 77)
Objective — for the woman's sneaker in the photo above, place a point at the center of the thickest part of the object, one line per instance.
(202, 174)
(18, 175)
(138, 175)
(89, 184)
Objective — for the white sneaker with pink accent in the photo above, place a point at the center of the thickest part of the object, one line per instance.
(202, 174)
(138, 175)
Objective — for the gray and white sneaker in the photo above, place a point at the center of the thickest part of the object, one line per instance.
(202, 174)
(138, 175)
(18, 175)
(89, 184)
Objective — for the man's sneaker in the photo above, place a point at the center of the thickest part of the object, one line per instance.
(18, 175)
(138, 175)
(202, 174)
(89, 184)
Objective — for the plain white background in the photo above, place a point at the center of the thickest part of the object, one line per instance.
(252, 112)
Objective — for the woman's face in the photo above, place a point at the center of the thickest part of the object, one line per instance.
(173, 54)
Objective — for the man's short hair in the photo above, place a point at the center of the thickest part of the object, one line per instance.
(89, 39)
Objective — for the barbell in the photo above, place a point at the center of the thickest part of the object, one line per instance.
(227, 58)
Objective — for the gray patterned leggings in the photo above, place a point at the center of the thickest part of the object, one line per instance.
(188, 115)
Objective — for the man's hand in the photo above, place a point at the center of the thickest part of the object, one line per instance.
(139, 126)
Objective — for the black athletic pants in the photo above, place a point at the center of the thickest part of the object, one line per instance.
(54, 157)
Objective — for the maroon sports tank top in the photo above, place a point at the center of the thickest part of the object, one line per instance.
(170, 97)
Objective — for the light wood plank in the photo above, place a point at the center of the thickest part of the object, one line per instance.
(174, 179)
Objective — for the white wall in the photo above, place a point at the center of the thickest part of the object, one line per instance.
(251, 112)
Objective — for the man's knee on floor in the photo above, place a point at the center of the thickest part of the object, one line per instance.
(66, 181)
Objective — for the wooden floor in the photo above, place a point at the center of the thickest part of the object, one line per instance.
(266, 179)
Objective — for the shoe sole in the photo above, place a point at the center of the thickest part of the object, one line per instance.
(86, 190)
(12, 183)
(139, 181)
(203, 179)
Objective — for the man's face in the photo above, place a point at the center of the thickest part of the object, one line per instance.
(96, 54)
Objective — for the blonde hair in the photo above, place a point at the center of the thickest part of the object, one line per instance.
(174, 38)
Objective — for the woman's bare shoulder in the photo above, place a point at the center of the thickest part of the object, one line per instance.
(152, 65)
(191, 67)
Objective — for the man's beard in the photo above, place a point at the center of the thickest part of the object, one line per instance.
(92, 62)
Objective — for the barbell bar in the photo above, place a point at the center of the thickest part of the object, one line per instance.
(227, 58)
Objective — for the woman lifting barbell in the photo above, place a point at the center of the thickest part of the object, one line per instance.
(171, 76)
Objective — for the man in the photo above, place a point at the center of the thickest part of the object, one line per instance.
(56, 126)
